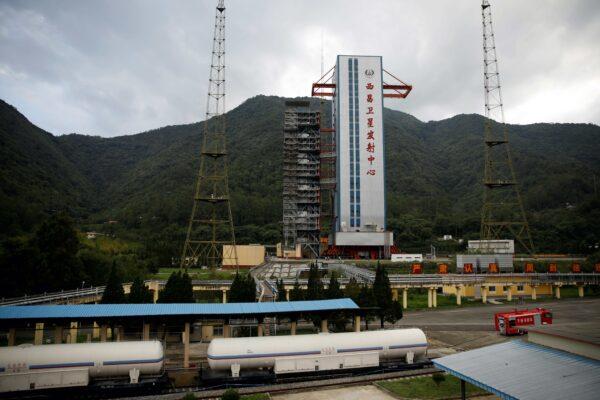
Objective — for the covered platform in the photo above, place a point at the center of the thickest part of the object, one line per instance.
(110, 321)
(526, 371)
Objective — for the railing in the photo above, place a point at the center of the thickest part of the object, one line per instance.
(63, 296)
(360, 274)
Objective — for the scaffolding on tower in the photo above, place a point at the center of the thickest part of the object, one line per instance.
(210, 237)
(502, 212)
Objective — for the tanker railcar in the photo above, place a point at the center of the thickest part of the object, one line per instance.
(55, 366)
(319, 352)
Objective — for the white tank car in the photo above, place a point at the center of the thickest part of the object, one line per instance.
(81, 361)
(257, 352)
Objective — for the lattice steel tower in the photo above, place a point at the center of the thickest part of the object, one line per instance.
(503, 213)
(210, 235)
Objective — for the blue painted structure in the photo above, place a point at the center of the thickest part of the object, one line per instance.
(198, 310)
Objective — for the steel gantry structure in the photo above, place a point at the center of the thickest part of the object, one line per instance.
(502, 212)
(210, 226)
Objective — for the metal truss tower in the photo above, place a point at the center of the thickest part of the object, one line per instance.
(210, 235)
(503, 213)
(301, 191)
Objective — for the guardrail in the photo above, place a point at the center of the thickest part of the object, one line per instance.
(64, 295)
(361, 275)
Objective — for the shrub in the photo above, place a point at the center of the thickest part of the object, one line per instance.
(438, 378)
(230, 394)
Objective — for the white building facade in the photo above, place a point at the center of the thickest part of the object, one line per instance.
(360, 190)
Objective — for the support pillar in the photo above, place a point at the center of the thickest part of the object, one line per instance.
(434, 296)
(12, 336)
(357, 323)
(509, 293)
(103, 333)
(463, 390)
(534, 293)
(557, 292)
(96, 331)
(224, 296)
(395, 294)
(146, 331)
(580, 290)
(186, 345)
(58, 334)
(155, 293)
(38, 337)
(73, 333)
(293, 326)
(120, 333)
(324, 327)
(226, 330)
(458, 295)
(484, 290)
(287, 294)
(429, 298)
(259, 329)
(405, 298)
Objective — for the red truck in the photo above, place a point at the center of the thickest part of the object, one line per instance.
(516, 322)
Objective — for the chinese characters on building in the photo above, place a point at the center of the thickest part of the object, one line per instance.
(370, 130)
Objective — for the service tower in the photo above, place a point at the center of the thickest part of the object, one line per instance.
(357, 87)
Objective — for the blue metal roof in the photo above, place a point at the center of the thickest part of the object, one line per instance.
(526, 371)
(166, 310)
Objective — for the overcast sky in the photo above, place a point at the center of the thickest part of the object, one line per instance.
(120, 67)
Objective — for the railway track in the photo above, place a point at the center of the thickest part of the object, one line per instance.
(299, 383)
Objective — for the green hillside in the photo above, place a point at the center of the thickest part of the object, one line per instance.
(145, 181)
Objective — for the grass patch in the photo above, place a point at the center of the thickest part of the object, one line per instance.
(425, 388)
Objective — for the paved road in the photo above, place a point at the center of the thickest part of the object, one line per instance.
(584, 313)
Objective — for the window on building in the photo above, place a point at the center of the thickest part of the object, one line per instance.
(492, 288)
(520, 288)
(218, 330)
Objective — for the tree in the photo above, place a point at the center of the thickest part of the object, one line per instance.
(113, 292)
(57, 245)
(333, 290)
(139, 292)
(314, 289)
(297, 293)
(366, 299)
(382, 292)
(243, 289)
(394, 312)
(352, 289)
(178, 289)
(281, 290)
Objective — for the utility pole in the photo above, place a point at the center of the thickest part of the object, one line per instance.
(210, 238)
(503, 214)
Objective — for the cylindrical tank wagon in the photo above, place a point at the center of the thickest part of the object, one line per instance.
(313, 352)
(28, 367)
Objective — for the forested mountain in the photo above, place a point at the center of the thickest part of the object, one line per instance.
(434, 170)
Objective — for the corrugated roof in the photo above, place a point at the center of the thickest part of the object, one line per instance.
(147, 310)
(526, 371)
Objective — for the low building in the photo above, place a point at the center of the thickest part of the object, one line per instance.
(479, 263)
(248, 255)
(407, 258)
(500, 246)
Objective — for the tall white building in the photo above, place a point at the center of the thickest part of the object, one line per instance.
(357, 87)
(360, 190)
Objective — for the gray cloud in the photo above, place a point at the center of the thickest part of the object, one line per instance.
(109, 68)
